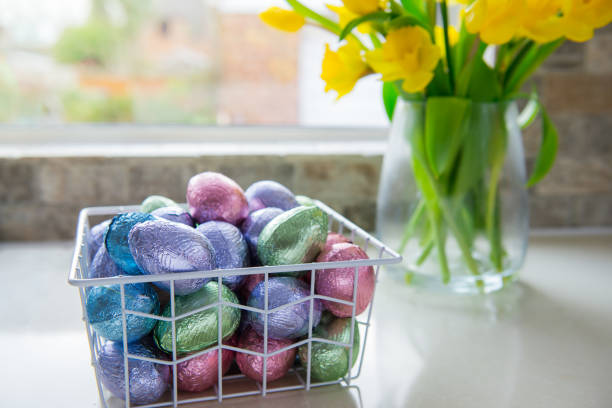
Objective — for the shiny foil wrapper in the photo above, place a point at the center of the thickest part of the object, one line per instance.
(200, 373)
(335, 238)
(215, 197)
(174, 214)
(296, 236)
(287, 323)
(116, 240)
(338, 282)
(268, 193)
(329, 362)
(95, 239)
(254, 224)
(252, 366)
(249, 284)
(154, 202)
(199, 330)
(162, 246)
(148, 381)
(103, 265)
(104, 310)
(230, 247)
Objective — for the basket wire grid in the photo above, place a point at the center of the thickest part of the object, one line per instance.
(380, 255)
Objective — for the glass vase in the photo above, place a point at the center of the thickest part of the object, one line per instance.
(452, 197)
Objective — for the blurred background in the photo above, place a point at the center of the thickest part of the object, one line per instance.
(115, 72)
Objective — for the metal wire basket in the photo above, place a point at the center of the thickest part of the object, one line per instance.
(229, 385)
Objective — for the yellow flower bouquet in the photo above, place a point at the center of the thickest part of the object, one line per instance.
(453, 187)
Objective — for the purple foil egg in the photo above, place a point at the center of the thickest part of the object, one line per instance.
(215, 197)
(200, 373)
(161, 246)
(95, 238)
(148, 381)
(174, 214)
(252, 366)
(268, 193)
(338, 282)
(103, 265)
(231, 249)
(289, 322)
(254, 224)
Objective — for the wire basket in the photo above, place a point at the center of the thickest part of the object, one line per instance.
(230, 385)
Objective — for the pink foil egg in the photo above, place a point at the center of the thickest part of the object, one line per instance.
(200, 373)
(252, 366)
(335, 238)
(214, 197)
(249, 283)
(338, 282)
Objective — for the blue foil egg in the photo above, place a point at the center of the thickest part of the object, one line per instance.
(161, 247)
(95, 238)
(104, 311)
(117, 240)
(268, 193)
(148, 381)
(254, 224)
(287, 323)
(231, 249)
(174, 214)
(103, 265)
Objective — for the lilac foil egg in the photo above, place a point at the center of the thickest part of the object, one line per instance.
(252, 366)
(148, 381)
(103, 265)
(116, 240)
(287, 323)
(200, 373)
(254, 224)
(231, 249)
(268, 193)
(215, 197)
(95, 238)
(174, 214)
(338, 282)
(161, 246)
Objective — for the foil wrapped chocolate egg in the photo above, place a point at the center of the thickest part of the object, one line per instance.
(303, 200)
(148, 381)
(230, 247)
(338, 282)
(335, 238)
(116, 240)
(329, 362)
(104, 310)
(268, 193)
(249, 284)
(103, 265)
(215, 197)
(162, 246)
(199, 330)
(296, 236)
(289, 322)
(200, 373)
(252, 366)
(153, 202)
(254, 224)
(95, 238)
(174, 214)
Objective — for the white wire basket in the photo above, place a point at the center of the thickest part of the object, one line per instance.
(230, 385)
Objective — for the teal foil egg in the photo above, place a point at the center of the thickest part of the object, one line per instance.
(330, 361)
(199, 330)
(116, 240)
(296, 236)
(152, 203)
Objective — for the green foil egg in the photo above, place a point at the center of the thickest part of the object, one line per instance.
(296, 236)
(304, 200)
(152, 203)
(329, 361)
(198, 331)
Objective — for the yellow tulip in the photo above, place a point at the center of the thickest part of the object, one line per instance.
(362, 7)
(453, 37)
(580, 17)
(409, 55)
(285, 20)
(345, 16)
(342, 69)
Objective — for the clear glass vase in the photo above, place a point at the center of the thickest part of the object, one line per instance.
(452, 197)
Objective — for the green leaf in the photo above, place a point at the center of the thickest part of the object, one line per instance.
(529, 112)
(462, 49)
(526, 63)
(351, 25)
(445, 119)
(439, 85)
(483, 84)
(415, 8)
(389, 94)
(308, 13)
(548, 150)
(404, 21)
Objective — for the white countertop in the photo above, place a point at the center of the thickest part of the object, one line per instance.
(545, 342)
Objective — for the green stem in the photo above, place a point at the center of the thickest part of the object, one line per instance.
(306, 12)
(425, 253)
(490, 215)
(375, 41)
(431, 12)
(411, 225)
(449, 59)
(439, 240)
(517, 59)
